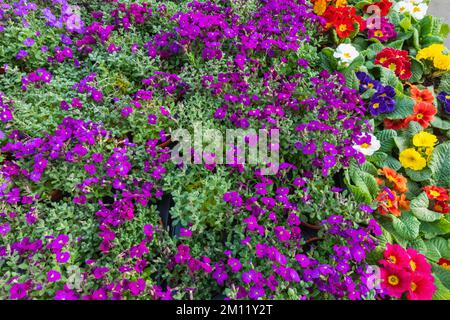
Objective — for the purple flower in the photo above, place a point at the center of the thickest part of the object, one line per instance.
(90, 168)
(152, 119)
(220, 113)
(186, 233)
(74, 24)
(21, 54)
(444, 98)
(256, 292)
(303, 260)
(358, 253)
(97, 157)
(234, 264)
(99, 272)
(66, 294)
(99, 294)
(282, 234)
(5, 229)
(28, 42)
(309, 148)
(18, 291)
(148, 231)
(62, 257)
(381, 104)
(329, 162)
(53, 276)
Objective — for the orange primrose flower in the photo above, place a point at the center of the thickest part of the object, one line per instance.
(388, 203)
(421, 95)
(397, 180)
(423, 113)
(404, 203)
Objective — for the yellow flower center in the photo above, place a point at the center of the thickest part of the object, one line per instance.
(447, 97)
(392, 259)
(391, 178)
(419, 116)
(417, 9)
(342, 27)
(389, 204)
(370, 86)
(347, 55)
(393, 66)
(378, 33)
(413, 286)
(435, 193)
(365, 146)
(413, 266)
(376, 105)
(393, 280)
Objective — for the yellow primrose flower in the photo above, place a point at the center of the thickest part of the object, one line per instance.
(429, 152)
(424, 139)
(320, 6)
(430, 51)
(410, 158)
(340, 3)
(442, 62)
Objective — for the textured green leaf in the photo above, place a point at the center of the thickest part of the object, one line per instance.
(369, 168)
(445, 82)
(351, 80)
(435, 228)
(389, 78)
(441, 293)
(440, 165)
(386, 138)
(419, 245)
(417, 71)
(403, 108)
(419, 176)
(419, 207)
(413, 128)
(392, 163)
(440, 123)
(377, 158)
(441, 273)
(407, 226)
(442, 245)
(432, 252)
(402, 143)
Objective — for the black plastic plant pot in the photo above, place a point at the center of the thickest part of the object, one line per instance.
(163, 206)
(339, 181)
(307, 232)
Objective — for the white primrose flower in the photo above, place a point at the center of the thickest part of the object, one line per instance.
(346, 53)
(415, 2)
(368, 149)
(403, 7)
(419, 11)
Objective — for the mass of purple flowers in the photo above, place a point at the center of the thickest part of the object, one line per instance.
(91, 96)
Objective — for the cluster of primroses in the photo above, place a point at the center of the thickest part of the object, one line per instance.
(393, 196)
(383, 98)
(423, 112)
(406, 271)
